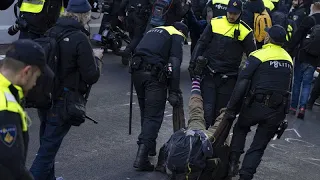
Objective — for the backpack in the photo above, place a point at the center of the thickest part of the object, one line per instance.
(261, 21)
(187, 151)
(42, 94)
(312, 41)
(159, 12)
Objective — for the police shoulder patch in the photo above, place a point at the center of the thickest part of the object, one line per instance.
(8, 134)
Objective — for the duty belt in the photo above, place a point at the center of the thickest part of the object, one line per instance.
(213, 72)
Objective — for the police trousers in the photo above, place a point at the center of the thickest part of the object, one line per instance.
(216, 91)
(152, 97)
(52, 131)
(268, 121)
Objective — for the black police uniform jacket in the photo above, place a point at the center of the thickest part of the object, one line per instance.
(218, 7)
(76, 56)
(266, 69)
(14, 137)
(223, 46)
(39, 23)
(159, 44)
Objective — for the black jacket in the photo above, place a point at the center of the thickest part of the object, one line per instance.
(298, 14)
(41, 22)
(5, 4)
(132, 5)
(76, 55)
(297, 38)
(223, 51)
(249, 9)
(166, 46)
(13, 152)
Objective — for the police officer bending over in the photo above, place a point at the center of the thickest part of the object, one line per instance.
(19, 72)
(159, 48)
(269, 70)
(222, 43)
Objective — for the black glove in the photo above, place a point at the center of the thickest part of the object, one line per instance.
(191, 67)
(174, 98)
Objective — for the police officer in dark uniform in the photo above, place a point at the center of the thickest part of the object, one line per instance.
(216, 8)
(158, 55)
(267, 75)
(39, 16)
(19, 72)
(222, 43)
(136, 22)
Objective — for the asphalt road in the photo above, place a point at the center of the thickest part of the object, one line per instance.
(106, 152)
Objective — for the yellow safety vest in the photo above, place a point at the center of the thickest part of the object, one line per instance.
(34, 6)
(225, 2)
(289, 32)
(268, 4)
(272, 52)
(275, 1)
(220, 25)
(9, 103)
(171, 30)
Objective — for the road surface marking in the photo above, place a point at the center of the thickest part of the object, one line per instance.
(292, 129)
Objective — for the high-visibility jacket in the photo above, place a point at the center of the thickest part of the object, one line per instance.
(34, 6)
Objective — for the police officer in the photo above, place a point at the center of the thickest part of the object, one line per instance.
(223, 42)
(138, 14)
(39, 16)
(267, 75)
(151, 64)
(216, 8)
(19, 72)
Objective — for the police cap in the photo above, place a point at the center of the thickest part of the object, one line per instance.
(277, 33)
(30, 53)
(235, 6)
(181, 27)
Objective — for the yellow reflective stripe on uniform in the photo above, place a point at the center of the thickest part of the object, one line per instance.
(171, 30)
(62, 10)
(289, 32)
(268, 4)
(32, 6)
(225, 2)
(220, 25)
(272, 52)
(275, 1)
(9, 103)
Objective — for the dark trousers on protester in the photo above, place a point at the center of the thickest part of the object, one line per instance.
(315, 94)
(52, 132)
(216, 91)
(268, 121)
(152, 96)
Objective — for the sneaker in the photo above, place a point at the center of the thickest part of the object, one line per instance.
(59, 178)
(301, 113)
(292, 111)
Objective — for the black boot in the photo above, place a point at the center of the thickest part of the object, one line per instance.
(234, 164)
(161, 160)
(152, 151)
(142, 162)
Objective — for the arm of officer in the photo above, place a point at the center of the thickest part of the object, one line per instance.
(122, 9)
(202, 43)
(248, 44)
(302, 32)
(88, 64)
(12, 147)
(175, 59)
(242, 84)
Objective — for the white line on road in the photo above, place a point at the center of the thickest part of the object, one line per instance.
(128, 104)
(292, 129)
(2, 57)
(169, 115)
